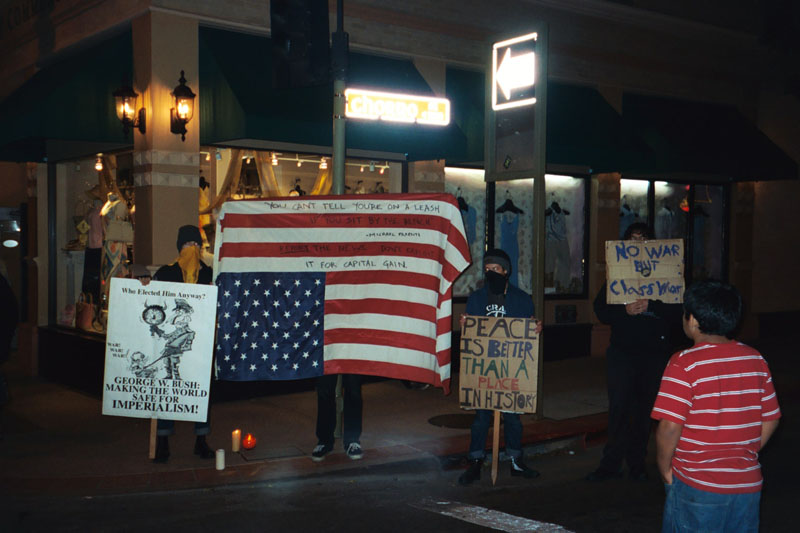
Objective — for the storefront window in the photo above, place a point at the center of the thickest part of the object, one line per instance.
(469, 188)
(513, 228)
(672, 210)
(632, 204)
(708, 216)
(242, 174)
(565, 235)
(90, 194)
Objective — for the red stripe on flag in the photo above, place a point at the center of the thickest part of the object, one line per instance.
(325, 249)
(376, 221)
(390, 277)
(379, 338)
(390, 370)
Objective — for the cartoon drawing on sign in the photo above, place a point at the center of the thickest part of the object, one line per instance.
(179, 340)
(140, 367)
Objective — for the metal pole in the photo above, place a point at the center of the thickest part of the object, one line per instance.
(339, 45)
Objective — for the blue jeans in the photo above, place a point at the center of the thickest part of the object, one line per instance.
(688, 509)
(512, 428)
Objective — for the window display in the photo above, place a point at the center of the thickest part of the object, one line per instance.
(565, 235)
(708, 216)
(513, 228)
(672, 210)
(633, 204)
(469, 188)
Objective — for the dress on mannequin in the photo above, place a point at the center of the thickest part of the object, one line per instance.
(115, 251)
(93, 251)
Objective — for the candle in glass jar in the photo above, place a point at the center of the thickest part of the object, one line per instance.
(236, 440)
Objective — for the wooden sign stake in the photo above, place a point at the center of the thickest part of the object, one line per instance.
(495, 446)
(153, 430)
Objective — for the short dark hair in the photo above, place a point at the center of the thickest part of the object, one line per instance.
(716, 305)
(638, 227)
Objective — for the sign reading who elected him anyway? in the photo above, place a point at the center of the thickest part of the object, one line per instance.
(499, 364)
(159, 349)
(651, 270)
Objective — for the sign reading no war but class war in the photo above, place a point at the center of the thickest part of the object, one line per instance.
(499, 364)
(652, 270)
(158, 349)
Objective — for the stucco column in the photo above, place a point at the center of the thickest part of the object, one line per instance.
(165, 168)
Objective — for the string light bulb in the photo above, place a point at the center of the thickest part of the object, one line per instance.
(98, 163)
(274, 160)
(323, 164)
(372, 166)
(382, 169)
(362, 168)
(299, 163)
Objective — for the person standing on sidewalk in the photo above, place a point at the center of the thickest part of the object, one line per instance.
(497, 298)
(640, 347)
(187, 269)
(717, 409)
(326, 415)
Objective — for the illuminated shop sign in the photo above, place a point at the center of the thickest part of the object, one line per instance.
(375, 105)
(514, 72)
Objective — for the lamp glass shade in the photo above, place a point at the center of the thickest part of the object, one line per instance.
(183, 100)
(125, 99)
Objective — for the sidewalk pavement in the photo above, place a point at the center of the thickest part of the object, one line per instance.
(56, 441)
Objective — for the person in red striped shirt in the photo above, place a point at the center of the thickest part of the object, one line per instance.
(716, 409)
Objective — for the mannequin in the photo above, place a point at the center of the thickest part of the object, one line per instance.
(118, 232)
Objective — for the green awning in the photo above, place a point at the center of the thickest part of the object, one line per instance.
(705, 142)
(238, 102)
(583, 130)
(68, 100)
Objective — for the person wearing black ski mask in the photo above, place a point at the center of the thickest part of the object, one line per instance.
(497, 298)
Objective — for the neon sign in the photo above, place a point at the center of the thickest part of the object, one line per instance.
(393, 107)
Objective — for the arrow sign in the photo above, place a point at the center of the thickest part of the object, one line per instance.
(516, 72)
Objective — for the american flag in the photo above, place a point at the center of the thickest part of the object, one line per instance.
(338, 284)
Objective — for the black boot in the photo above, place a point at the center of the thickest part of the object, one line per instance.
(519, 468)
(472, 473)
(201, 448)
(162, 449)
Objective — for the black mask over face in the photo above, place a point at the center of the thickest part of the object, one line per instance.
(495, 282)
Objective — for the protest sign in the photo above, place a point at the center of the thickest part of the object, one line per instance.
(499, 364)
(652, 270)
(158, 349)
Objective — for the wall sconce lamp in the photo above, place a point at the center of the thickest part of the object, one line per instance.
(125, 101)
(182, 109)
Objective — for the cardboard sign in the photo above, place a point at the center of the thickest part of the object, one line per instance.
(158, 349)
(652, 270)
(499, 364)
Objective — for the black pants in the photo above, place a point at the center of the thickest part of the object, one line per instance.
(633, 382)
(326, 408)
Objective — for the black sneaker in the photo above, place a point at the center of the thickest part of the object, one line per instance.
(473, 472)
(320, 451)
(519, 468)
(354, 451)
(601, 474)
